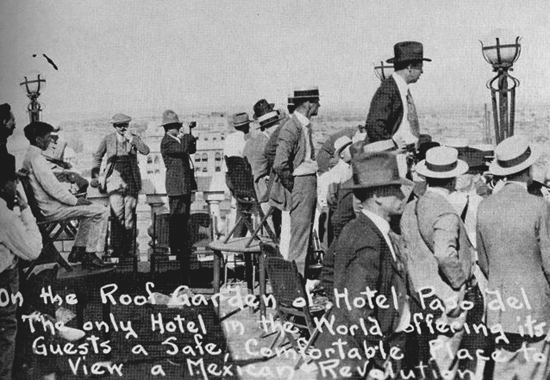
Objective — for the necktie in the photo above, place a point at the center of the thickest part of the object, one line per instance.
(310, 142)
(412, 117)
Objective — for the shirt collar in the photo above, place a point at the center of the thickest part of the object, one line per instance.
(401, 84)
(522, 184)
(174, 137)
(301, 118)
(378, 221)
(439, 190)
(119, 137)
(35, 149)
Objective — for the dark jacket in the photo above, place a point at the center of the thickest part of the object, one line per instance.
(178, 167)
(385, 113)
(362, 259)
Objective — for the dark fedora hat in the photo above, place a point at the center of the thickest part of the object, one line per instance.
(407, 51)
(375, 170)
(261, 108)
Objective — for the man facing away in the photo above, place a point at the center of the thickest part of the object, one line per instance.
(57, 203)
(513, 242)
(296, 167)
(440, 256)
(367, 261)
(392, 113)
(175, 147)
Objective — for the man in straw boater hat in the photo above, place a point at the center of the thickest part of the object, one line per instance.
(440, 258)
(296, 167)
(176, 146)
(513, 242)
(122, 180)
(368, 262)
(254, 151)
(392, 113)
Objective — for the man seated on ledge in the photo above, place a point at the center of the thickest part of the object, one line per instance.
(57, 203)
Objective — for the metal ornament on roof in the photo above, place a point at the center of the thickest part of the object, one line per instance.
(502, 56)
(32, 85)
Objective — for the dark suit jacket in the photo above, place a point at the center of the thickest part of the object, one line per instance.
(363, 259)
(176, 159)
(385, 113)
(513, 242)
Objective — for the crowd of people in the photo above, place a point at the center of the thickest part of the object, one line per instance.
(437, 252)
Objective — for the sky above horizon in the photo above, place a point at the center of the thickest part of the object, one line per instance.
(141, 57)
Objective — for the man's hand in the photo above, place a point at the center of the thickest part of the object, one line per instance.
(83, 202)
(128, 135)
(21, 201)
(94, 183)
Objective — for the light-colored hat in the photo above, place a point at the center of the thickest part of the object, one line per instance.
(379, 146)
(304, 94)
(512, 156)
(340, 144)
(270, 118)
(375, 170)
(169, 117)
(441, 162)
(120, 118)
(240, 119)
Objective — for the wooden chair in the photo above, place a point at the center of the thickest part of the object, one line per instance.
(200, 228)
(50, 231)
(293, 305)
(242, 188)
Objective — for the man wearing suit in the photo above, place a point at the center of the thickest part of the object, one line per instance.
(513, 242)
(296, 167)
(175, 147)
(368, 262)
(392, 114)
(440, 257)
(122, 180)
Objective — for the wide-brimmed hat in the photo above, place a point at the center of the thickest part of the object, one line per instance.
(457, 142)
(304, 94)
(375, 170)
(340, 144)
(240, 119)
(120, 118)
(407, 51)
(270, 118)
(512, 156)
(441, 162)
(169, 117)
(261, 108)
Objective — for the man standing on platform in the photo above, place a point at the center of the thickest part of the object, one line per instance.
(176, 146)
(513, 242)
(295, 164)
(122, 180)
(392, 113)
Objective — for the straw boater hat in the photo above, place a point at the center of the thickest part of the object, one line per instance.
(375, 170)
(169, 117)
(240, 119)
(305, 94)
(407, 51)
(441, 162)
(270, 118)
(340, 144)
(120, 118)
(512, 156)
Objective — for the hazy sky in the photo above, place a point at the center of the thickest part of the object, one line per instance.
(141, 57)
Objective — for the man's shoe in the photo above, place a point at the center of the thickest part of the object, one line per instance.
(90, 260)
(76, 254)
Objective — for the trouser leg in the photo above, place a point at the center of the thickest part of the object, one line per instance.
(304, 197)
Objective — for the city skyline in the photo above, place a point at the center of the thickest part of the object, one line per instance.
(208, 56)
